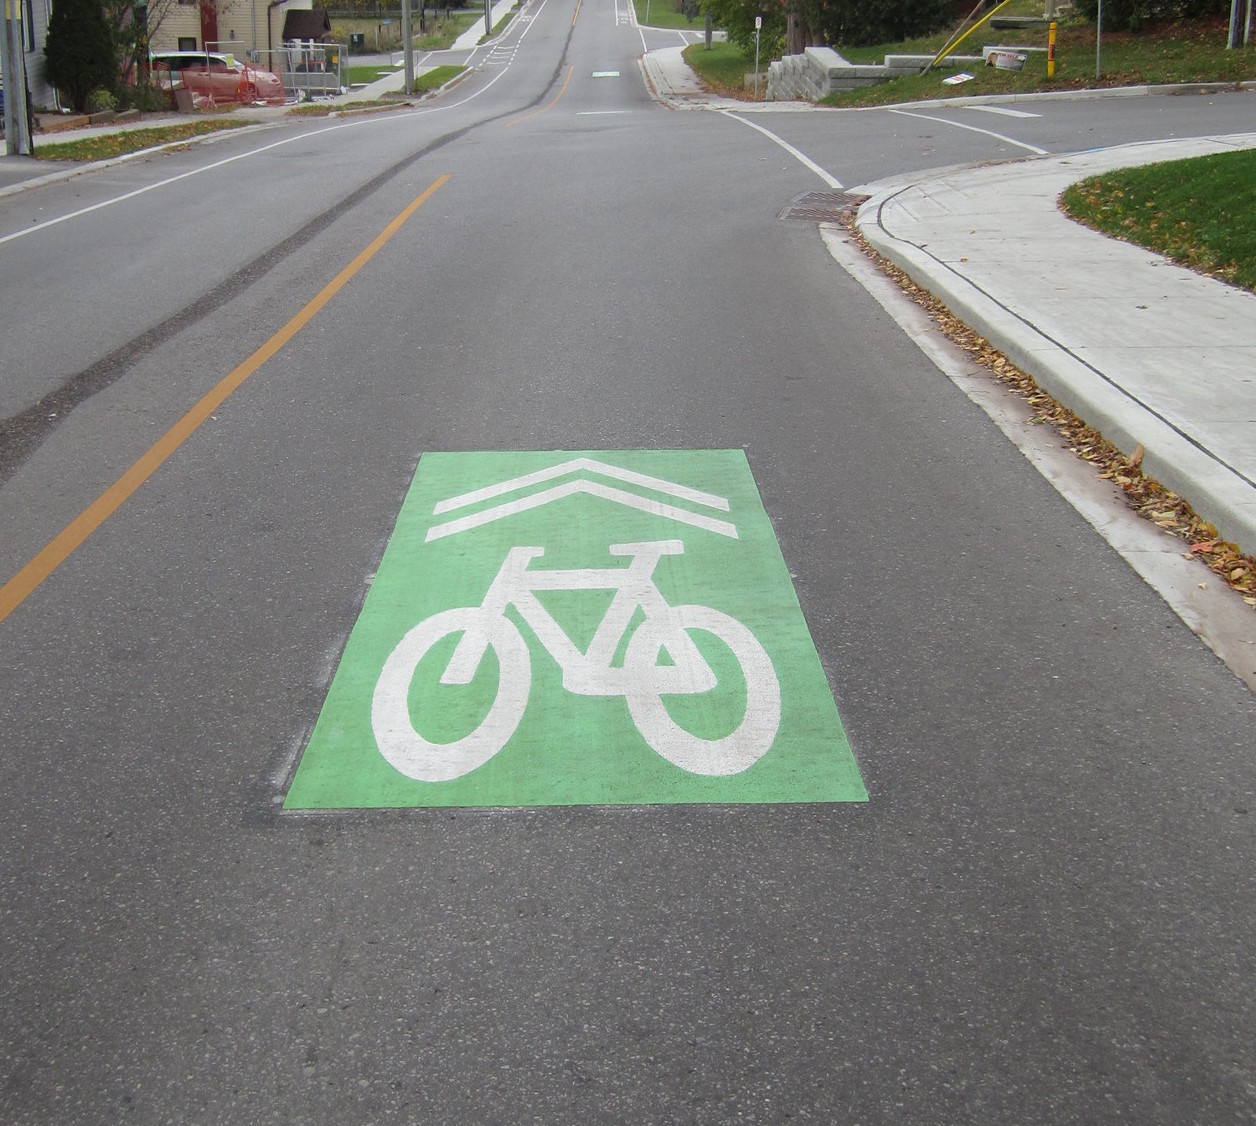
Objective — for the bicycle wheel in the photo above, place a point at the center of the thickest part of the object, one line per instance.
(395, 734)
(752, 738)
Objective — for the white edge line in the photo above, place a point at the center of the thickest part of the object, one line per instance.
(973, 129)
(589, 465)
(558, 492)
(802, 158)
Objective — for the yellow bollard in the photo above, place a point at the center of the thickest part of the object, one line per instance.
(1051, 49)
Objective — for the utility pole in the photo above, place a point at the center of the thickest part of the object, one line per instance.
(408, 48)
(10, 125)
(17, 123)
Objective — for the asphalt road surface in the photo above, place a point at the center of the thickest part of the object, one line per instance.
(1044, 911)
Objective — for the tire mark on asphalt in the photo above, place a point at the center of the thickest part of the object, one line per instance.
(22, 434)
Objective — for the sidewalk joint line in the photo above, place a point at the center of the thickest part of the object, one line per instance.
(1150, 410)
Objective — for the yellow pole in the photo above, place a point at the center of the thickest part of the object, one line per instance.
(950, 47)
(1051, 27)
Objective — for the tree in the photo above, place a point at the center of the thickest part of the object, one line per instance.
(1120, 15)
(807, 23)
(858, 23)
(79, 53)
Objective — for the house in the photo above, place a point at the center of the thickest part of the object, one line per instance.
(253, 29)
(35, 15)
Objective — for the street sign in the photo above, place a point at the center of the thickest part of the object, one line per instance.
(561, 629)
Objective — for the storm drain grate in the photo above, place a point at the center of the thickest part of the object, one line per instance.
(821, 207)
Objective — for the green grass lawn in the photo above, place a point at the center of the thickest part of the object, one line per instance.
(434, 79)
(1200, 212)
(665, 13)
(109, 145)
(365, 75)
(1167, 54)
(724, 68)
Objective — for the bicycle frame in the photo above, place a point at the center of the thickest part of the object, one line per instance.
(589, 673)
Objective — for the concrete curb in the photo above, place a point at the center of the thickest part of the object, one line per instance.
(1218, 492)
(1088, 94)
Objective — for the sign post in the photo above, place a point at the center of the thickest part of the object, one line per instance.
(1099, 40)
(758, 26)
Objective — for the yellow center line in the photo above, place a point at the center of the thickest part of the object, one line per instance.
(576, 15)
(18, 588)
(570, 71)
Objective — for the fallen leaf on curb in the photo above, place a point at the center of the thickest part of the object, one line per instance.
(1145, 495)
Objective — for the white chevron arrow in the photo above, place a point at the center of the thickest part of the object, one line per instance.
(582, 485)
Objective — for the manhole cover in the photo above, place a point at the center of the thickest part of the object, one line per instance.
(821, 207)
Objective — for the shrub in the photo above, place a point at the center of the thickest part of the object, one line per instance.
(79, 51)
(857, 23)
(100, 100)
(849, 23)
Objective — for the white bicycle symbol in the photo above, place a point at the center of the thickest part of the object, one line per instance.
(641, 680)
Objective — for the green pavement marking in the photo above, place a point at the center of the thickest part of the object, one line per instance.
(579, 629)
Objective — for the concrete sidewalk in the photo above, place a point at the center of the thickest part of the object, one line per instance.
(673, 82)
(1145, 351)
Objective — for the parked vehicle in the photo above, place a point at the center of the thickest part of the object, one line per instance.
(215, 78)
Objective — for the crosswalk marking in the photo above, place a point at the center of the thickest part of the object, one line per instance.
(1003, 111)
